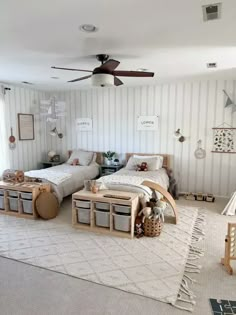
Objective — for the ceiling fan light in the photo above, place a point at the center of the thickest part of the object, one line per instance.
(101, 79)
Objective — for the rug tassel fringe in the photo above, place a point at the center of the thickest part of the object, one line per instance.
(194, 254)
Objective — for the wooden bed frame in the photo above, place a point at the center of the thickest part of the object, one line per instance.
(166, 157)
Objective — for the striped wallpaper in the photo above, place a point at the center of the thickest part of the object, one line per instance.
(28, 154)
(194, 107)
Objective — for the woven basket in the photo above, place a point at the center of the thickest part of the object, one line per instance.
(152, 227)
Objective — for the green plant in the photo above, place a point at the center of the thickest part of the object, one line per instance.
(109, 155)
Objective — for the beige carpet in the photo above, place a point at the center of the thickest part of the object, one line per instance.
(153, 267)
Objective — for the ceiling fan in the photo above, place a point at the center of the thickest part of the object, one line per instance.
(106, 75)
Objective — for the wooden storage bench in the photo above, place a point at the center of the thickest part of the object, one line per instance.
(108, 215)
(19, 199)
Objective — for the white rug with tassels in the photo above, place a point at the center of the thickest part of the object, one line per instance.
(160, 268)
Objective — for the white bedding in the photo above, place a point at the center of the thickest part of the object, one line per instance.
(66, 179)
(130, 180)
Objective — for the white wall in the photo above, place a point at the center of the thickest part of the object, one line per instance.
(194, 107)
(27, 154)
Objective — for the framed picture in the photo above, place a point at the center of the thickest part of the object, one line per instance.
(26, 126)
(84, 124)
(147, 123)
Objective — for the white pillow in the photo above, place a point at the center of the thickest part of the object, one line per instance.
(84, 157)
(159, 159)
(133, 162)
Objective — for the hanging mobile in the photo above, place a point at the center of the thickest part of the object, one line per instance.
(12, 141)
(199, 153)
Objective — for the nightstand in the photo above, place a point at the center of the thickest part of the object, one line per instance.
(46, 164)
(109, 169)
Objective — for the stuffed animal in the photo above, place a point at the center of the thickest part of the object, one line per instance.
(75, 162)
(158, 210)
(139, 232)
(142, 167)
(147, 213)
(173, 187)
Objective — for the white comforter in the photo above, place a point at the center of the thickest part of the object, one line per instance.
(129, 180)
(65, 178)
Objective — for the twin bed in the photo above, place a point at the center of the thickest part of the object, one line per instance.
(67, 179)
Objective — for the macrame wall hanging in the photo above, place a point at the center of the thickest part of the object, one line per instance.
(199, 153)
(224, 139)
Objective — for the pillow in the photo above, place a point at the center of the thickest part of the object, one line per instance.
(84, 157)
(159, 159)
(133, 162)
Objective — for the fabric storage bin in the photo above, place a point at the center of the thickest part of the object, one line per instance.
(26, 195)
(122, 209)
(27, 206)
(122, 222)
(2, 202)
(13, 203)
(1, 192)
(82, 204)
(102, 206)
(102, 218)
(12, 193)
(83, 215)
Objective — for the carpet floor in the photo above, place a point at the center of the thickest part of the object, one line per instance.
(58, 294)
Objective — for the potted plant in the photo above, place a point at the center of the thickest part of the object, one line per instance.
(108, 157)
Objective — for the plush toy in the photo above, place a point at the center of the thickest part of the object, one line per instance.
(75, 162)
(173, 187)
(138, 227)
(147, 213)
(142, 167)
(158, 210)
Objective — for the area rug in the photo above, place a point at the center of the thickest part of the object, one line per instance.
(223, 307)
(157, 268)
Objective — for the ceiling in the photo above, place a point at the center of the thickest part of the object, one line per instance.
(165, 36)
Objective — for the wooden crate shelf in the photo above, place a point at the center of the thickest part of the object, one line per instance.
(34, 188)
(92, 198)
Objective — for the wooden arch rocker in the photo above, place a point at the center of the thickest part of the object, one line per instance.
(167, 196)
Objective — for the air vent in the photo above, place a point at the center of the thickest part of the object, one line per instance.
(212, 65)
(26, 82)
(211, 12)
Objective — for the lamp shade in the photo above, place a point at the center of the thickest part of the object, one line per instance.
(177, 133)
(53, 132)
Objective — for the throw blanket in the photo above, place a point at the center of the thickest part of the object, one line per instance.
(52, 176)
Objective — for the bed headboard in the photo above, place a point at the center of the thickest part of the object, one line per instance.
(166, 157)
(99, 158)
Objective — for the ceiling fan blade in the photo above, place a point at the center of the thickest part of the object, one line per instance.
(110, 65)
(122, 73)
(80, 79)
(117, 81)
(70, 69)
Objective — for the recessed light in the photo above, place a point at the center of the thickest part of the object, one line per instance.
(55, 78)
(211, 65)
(26, 82)
(142, 69)
(88, 28)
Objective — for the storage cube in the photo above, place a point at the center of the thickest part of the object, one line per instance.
(26, 195)
(2, 202)
(13, 203)
(122, 209)
(12, 193)
(83, 215)
(102, 218)
(122, 222)
(27, 206)
(82, 204)
(102, 206)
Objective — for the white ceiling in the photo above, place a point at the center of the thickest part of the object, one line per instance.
(168, 37)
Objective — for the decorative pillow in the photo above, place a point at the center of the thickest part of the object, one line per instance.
(145, 157)
(133, 162)
(84, 157)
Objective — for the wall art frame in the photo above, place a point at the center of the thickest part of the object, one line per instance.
(26, 126)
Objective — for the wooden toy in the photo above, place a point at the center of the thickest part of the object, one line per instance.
(230, 247)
